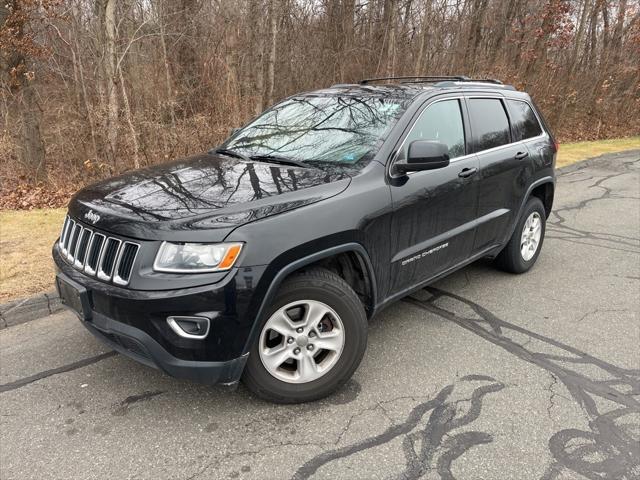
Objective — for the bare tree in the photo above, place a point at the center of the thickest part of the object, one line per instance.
(132, 83)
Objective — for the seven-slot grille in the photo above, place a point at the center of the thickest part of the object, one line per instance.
(108, 258)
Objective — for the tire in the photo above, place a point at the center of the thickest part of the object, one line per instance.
(511, 258)
(303, 297)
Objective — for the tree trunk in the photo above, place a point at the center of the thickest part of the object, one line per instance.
(109, 68)
(257, 56)
(20, 78)
(273, 35)
(33, 151)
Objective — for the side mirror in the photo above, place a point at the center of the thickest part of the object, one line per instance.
(424, 155)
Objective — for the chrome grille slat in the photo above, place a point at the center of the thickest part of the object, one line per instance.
(81, 251)
(108, 258)
(73, 243)
(124, 263)
(96, 254)
(67, 236)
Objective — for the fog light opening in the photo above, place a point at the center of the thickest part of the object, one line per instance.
(195, 328)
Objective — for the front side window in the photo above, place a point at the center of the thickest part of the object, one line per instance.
(337, 129)
(442, 122)
(524, 121)
(489, 123)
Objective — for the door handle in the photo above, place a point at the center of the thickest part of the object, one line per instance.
(521, 155)
(468, 172)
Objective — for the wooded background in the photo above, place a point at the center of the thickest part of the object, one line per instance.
(95, 87)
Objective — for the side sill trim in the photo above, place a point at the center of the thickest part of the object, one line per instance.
(403, 293)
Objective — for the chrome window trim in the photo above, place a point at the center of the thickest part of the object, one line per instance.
(539, 120)
(395, 154)
(465, 97)
(488, 97)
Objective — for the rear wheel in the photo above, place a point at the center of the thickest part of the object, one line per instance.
(522, 251)
(311, 342)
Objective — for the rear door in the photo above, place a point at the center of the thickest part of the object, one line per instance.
(505, 167)
(434, 210)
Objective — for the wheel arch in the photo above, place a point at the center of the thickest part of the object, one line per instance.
(320, 258)
(545, 192)
(542, 188)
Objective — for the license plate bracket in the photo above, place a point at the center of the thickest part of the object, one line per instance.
(74, 296)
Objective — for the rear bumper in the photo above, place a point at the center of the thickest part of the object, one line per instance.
(138, 345)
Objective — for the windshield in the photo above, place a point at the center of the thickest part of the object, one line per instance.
(338, 129)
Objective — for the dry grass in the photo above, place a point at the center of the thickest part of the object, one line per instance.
(573, 152)
(26, 238)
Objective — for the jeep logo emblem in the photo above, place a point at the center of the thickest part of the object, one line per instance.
(92, 216)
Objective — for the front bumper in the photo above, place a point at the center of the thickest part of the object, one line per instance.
(134, 322)
(139, 346)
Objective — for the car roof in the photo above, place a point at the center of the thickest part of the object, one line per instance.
(408, 90)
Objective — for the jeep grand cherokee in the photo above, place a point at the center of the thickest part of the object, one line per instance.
(263, 259)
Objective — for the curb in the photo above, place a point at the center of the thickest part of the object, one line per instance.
(43, 304)
(30, 308)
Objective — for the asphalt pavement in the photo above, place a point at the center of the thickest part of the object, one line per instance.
(484, 375)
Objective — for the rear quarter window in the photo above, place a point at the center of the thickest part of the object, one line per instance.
(523, 120)
(489, 123)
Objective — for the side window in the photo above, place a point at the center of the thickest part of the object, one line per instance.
(489, 123)
(441, 121)
(524, 121)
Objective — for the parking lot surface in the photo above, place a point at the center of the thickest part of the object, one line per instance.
(483, 375)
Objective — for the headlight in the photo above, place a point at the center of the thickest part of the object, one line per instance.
(196, 257)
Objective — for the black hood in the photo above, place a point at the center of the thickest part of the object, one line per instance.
(209, 193)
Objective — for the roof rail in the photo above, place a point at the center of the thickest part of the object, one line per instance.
(436, 78)
(417, 78)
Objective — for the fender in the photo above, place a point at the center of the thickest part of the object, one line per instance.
(537, 183)
(301, 262)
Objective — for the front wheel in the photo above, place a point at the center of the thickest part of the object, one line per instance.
(522, 251)
(311, 342)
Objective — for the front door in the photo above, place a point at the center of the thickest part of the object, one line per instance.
(434, 211)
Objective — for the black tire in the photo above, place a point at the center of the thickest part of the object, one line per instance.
(510, 258)
(323, 286)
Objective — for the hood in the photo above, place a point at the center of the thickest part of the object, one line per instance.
(208, 193)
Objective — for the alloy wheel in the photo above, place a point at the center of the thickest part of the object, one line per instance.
(531, 234)
(301, 341)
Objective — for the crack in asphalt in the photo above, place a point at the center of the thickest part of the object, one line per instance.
(556, 222)
(611, 449)
(124, 405)
(7, 387)
(436, 420)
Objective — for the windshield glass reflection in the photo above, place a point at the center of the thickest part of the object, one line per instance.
(339, 129)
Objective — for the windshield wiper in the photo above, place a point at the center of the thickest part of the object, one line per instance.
(261, 158)
(281, 160)
(231, 153)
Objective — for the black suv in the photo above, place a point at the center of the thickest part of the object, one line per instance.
(264, 258)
